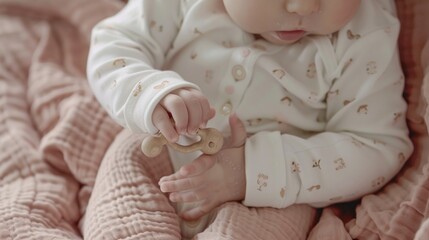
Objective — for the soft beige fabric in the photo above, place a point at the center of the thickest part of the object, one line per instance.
(54, 136)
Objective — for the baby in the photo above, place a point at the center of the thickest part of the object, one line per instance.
(308, 92)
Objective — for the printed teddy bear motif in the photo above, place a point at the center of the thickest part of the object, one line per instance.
(363, 109)
(340, 164)
(152, 24)
(347, 101)
(295, 167)
(371, 68)
(287, 100)
(311, 70)
(313, 188)
(352, 36)
(316, 164)
(279, 73)
(137, 90)
(397, 116)
(378, 182)
(162, 85)
(262, 181)
(119, 63)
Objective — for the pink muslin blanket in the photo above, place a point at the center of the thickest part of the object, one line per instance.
(67, 171)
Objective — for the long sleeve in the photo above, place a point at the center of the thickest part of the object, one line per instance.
(126, 58)
(365, 140)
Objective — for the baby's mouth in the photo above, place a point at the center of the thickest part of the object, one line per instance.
(290, 35)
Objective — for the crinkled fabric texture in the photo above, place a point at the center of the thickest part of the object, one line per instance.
(67, 171)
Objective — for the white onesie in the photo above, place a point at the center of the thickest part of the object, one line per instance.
(325, 115)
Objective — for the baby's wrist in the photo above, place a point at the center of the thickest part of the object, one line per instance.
(234, 169)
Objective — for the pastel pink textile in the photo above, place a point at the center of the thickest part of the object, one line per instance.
(67, 171)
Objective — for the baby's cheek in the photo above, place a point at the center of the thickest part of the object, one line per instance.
(336, 19)
(345, 11)
(252, 25)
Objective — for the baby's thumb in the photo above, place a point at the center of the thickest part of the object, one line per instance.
(238, 131)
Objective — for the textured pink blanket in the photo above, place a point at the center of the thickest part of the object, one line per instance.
(67, 171)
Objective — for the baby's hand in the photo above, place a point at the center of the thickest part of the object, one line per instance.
(211, 180)
(182, 111)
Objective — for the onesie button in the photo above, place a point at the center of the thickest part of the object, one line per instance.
(226, 108)
(238, 72)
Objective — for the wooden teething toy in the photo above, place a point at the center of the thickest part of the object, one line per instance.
(210, 143)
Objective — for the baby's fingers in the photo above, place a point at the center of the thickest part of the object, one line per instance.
(194, 168)
(172, 177)
(195, 195)
(207, 111)
(162, 121)
(180, 184)
(198, 166)
(178, 110)
(194, 109)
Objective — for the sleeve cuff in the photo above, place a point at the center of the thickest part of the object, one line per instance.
(268, 183)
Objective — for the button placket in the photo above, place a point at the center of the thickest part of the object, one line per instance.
(242, 60)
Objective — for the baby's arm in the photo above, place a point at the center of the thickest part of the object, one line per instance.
(127, 51)
(365, 142)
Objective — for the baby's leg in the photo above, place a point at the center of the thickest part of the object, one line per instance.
(236, 221)
(126, 202)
